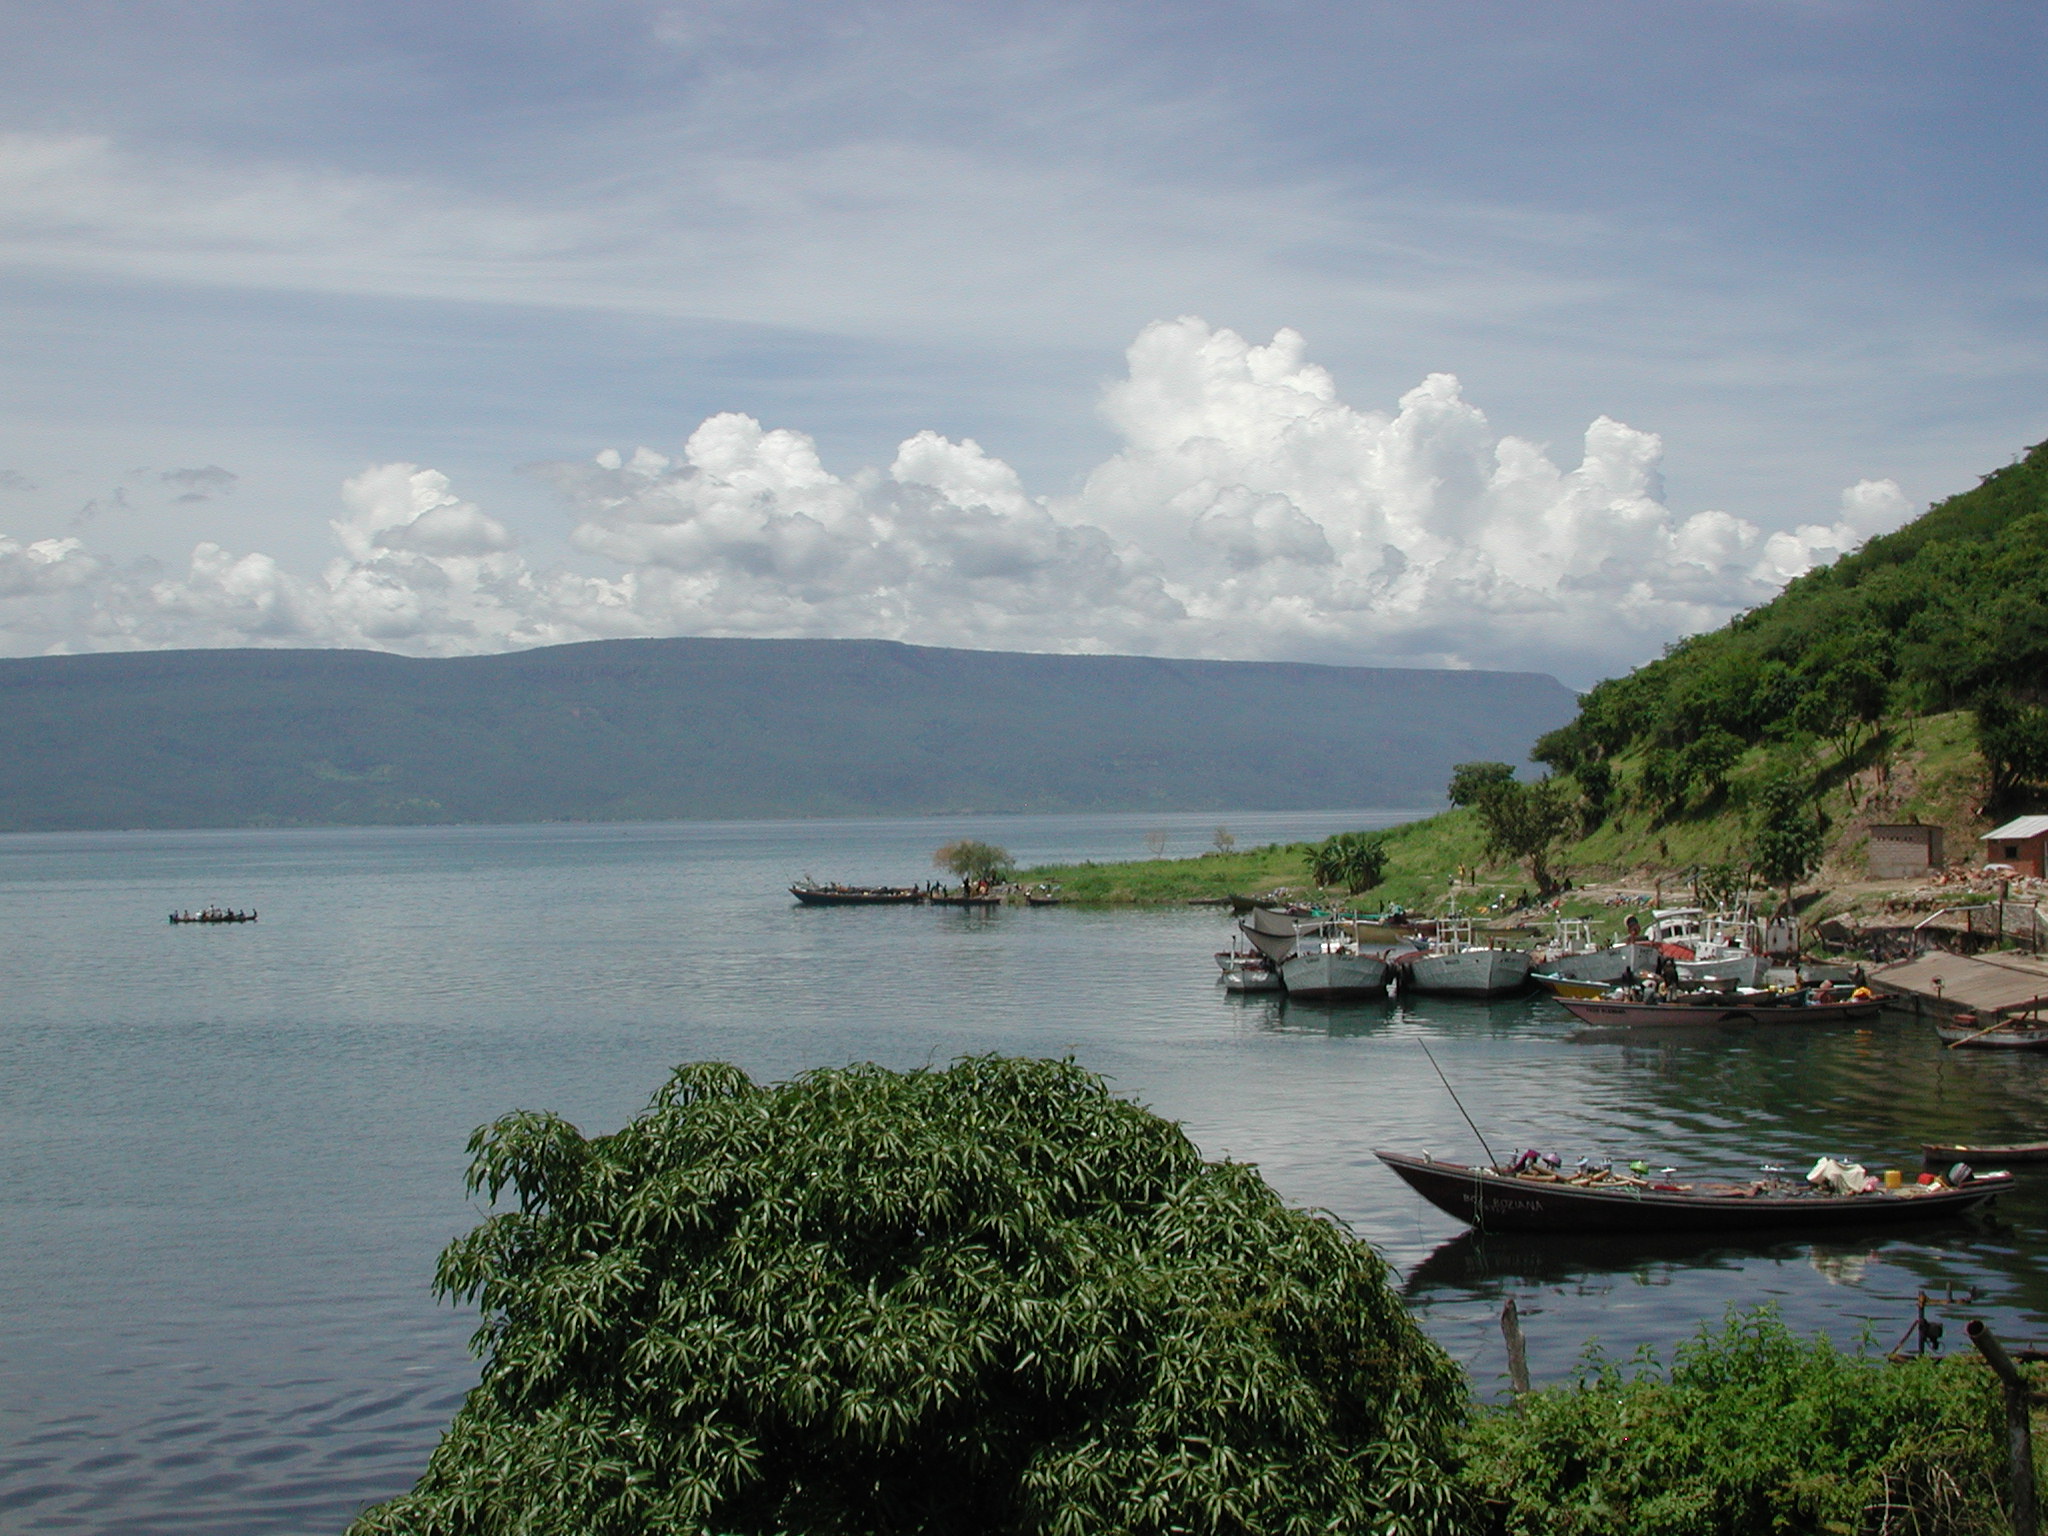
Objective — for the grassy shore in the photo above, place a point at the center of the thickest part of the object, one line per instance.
(1422, 859)
(1925, 769)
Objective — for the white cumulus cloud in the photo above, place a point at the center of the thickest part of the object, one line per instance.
(1251, 512)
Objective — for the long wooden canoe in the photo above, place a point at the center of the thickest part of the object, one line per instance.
(1505, 1202)
(1938, 1155)
(857, 895)
(1722, 1010)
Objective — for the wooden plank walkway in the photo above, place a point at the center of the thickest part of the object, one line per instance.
(1941, 986)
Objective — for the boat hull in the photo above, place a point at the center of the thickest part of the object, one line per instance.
(1743, 970)
(855, 896)
(1562, 986)
(1329, 977)
(1608, 965)
(1653, 1015)
(2023, 1152)
(2007, 1037)
(1250, 978)
(1495, 1202)
(1471, 972)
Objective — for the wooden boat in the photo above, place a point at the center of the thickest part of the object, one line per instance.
(1565, 986)
(2005, 1035)
(1937, 1155)
(1722, 1008)
(1497, 1201)
(214, 915)
(814, 895)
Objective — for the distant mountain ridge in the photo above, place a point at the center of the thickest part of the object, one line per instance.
(676, 729)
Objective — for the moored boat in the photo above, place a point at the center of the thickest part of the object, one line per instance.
(1500, 1200)
(1455, 966)
(1722, 1008)
(1328, 971)
(1937, 1155)
(2014, 1034)
(812, 894)
(1565, 986)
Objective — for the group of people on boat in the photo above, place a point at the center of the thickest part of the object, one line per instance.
(215, 915)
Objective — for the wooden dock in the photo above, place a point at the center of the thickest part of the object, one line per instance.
(1940, 986)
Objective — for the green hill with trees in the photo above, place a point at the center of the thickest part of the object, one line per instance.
(1907, 682)
(680, 729)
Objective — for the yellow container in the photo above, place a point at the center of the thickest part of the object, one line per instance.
(1892, 1178)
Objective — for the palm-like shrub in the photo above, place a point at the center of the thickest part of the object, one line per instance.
(991, 1298)
(1352, 861)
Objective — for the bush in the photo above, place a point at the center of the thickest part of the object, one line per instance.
(993, 1298)
(1753, 1430)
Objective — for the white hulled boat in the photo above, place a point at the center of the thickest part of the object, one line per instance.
(1456, 966)
(1328, 965)
(1723, 945)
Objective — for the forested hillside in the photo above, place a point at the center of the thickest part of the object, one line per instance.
(1829, 679)
(688, 728)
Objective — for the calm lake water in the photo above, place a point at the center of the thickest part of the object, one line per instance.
(228, 1156)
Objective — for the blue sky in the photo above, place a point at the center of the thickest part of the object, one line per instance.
(1800, 243)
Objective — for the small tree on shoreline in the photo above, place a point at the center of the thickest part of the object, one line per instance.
(971, 860)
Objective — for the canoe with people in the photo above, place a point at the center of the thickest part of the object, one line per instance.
(813, 894)
(1652, 1003)
(215, 915)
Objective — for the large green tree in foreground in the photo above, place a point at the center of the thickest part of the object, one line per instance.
(993, 1298)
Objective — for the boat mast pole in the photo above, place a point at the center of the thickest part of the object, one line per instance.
(1490, 1158)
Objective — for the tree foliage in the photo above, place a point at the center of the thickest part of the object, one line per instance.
(991, 1298)
(1788, 834)
(1949, 612)
(1521, 821)
(1354, 861)
(971, 860)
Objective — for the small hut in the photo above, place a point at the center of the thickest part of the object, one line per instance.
(2018, 843)
(1899, 853)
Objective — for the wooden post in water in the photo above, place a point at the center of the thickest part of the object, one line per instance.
(1518, 1351)
(2019, 1429)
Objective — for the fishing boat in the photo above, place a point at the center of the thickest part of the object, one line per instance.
(1722, 1008)
(1501, 1200)
(214, 915)
(812, 894)
(1328, 965)
(1571, 955)
(1455, 966)
(1939, 1156)
(2014, 1034)
(1720, 947)
(1253, 973)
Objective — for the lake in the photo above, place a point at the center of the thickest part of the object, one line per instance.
(229, 1155)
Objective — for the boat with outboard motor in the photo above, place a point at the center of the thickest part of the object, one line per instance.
(1532, 1199)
